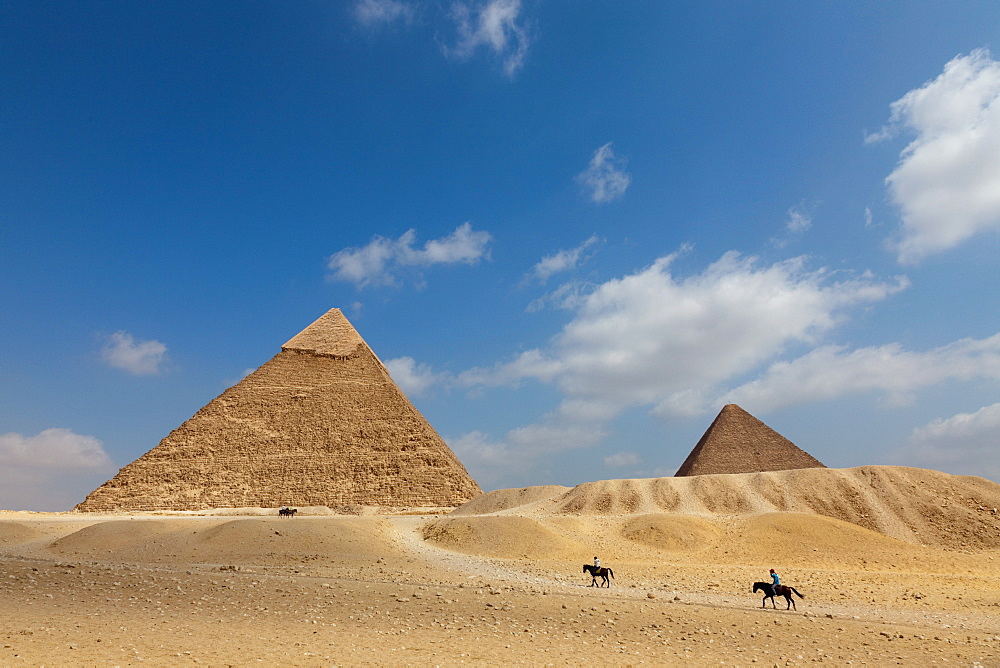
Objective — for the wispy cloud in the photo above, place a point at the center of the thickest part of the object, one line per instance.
(139, 358)
(412, 378)
(379, 261)
(521, 448)
(830, 372)
(497, 26)
(966, 443)
(621, 460)
(491, 459)
(562, 297)
(564, 260)
(376, 13)
(52, 470)
(799, 220)
(605, 178)
(947, 183)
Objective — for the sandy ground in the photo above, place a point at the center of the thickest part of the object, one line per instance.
(500, 582)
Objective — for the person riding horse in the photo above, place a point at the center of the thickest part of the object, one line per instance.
(772, 589)
(598, 572)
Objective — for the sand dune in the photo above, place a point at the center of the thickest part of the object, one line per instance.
(914, 505)
(899, 565)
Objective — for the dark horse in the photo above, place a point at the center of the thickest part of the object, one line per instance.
(770, 591)
(596, 572)
(287, 512)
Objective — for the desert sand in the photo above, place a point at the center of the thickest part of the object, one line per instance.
(897, 565)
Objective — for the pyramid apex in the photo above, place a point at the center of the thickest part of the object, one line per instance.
(331, 334)
(737, 442)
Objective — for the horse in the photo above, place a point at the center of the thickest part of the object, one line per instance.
(770, 591)
(596, 572)
(287, 512)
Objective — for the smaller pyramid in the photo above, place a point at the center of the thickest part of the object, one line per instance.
(737, 442)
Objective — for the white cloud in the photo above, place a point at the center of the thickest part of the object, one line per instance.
(52, 448)
(412, 378)
(521, 448)
(967, 443)
(564, 260)
(621, 459)
(373, 13)
(830, 372)
(462, 245)
(492, 461)
(495, 25)
(648, 336)
(139, 358)
(377, 263)
(54, 470)
(564, 296)
(799, 220)
(554, 435)
(653, 339)
(605, 179)
(947, 183)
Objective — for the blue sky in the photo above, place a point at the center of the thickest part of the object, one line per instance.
(572, 231)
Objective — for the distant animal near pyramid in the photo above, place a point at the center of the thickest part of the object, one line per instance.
(737, 442)
(320, 423)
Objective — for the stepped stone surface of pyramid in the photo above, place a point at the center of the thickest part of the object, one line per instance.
(737, 442)
(320, 424)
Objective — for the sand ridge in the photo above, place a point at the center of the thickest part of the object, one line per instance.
(915, 505)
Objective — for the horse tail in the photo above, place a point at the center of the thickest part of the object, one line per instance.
(611, 573)
(796, 592)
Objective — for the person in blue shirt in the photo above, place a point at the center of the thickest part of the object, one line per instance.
(775, 581)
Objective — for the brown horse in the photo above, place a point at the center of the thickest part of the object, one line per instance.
(770, 591)
(596, 572)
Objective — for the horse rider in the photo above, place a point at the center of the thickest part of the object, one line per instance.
(775, 581)
(597, 563)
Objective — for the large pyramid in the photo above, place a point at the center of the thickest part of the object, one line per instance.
(321, 423)
(737, 442)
